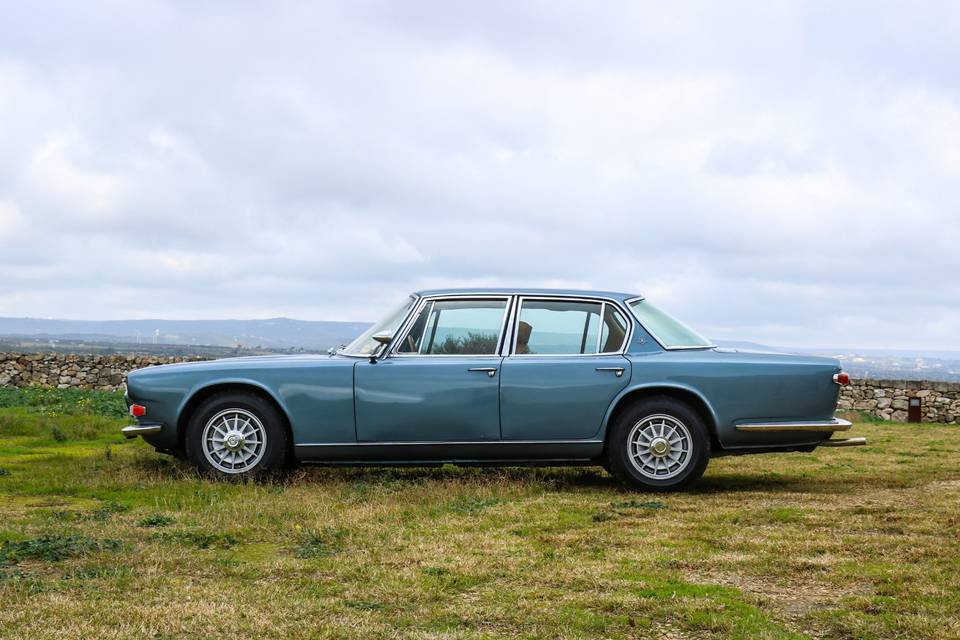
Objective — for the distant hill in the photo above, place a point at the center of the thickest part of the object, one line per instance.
(218, 338)
(275, 333)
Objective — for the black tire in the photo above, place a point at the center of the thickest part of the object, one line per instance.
(655, 412)
(263, 420)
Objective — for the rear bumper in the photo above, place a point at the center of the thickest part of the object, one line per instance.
(836, 424)
(141, 430)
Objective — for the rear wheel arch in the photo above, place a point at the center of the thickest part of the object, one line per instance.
(203, 394)
(691, 398)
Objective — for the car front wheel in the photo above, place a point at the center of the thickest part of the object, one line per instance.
(237, 434)
(658, 444)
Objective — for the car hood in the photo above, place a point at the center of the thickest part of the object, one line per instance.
(246, 363)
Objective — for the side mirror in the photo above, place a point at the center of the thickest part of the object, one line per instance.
(382, 339)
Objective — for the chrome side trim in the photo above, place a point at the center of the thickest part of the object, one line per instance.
(135, 430)
(846, 442)
(837, 424)
(442, 442)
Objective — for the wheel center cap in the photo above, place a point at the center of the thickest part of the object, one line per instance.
(660, 447)
(234, 441)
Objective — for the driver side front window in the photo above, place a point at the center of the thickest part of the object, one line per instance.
(455, 327)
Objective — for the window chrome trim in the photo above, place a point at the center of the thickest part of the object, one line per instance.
(603, 309)
(602, 300)
(407, 325)
(507, 337)
(660, 342)
(433, 304)
(626, 319)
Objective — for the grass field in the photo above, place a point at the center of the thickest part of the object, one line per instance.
(104, 538)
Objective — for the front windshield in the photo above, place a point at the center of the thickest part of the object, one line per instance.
(667, 330)
(364, 345)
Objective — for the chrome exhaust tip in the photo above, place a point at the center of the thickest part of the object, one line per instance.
(845, 442)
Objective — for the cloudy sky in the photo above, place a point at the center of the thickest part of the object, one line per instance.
(781, 172)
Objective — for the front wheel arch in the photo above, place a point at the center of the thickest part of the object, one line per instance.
(203, 394)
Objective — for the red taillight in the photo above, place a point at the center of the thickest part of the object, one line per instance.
(841, 378)
(138, 410)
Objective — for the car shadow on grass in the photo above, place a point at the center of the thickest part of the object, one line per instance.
(554, 479)
(772, 484)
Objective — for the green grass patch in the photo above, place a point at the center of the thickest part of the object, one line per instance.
(319, 543)
(650, 505)
(471, 505)
(198, 539)
(63, 402)
(53, 548)
(156, 520)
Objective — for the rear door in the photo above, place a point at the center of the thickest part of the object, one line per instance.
(564, 369)
(441, 382)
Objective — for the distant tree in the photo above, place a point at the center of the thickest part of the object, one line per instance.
(473, 343)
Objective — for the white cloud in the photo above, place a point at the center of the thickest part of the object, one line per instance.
(10, 220)
(780, 175)
(53, 175)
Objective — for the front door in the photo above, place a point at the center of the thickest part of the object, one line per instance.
(564, 370)
(441, 380)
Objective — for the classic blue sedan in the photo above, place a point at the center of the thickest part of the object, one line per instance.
(492, 377)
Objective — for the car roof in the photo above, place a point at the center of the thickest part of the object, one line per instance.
(616, 295)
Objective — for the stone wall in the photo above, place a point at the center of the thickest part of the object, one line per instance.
(74, 370)
(889, 399)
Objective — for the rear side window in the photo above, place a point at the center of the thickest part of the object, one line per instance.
(456, 327)
(556, 327)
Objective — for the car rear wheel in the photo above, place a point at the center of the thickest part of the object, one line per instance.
(237, 434)
(658, 444)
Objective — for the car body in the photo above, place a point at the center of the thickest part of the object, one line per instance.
(498, 376)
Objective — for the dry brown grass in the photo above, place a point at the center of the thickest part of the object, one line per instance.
(841, 543)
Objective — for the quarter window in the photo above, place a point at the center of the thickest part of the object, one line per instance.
(614, 330)
(456, 327)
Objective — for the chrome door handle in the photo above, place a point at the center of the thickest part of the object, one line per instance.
(617, 371)
(490, 371)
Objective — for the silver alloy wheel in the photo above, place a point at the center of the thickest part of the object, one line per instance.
(234, 441)
(660, 446)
